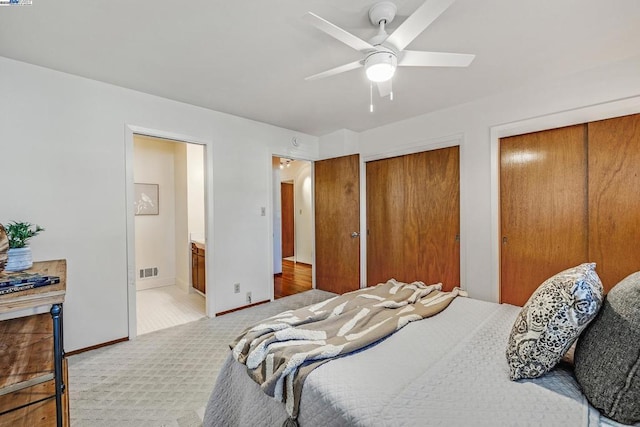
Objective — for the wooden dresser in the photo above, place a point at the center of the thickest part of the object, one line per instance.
(33, 371)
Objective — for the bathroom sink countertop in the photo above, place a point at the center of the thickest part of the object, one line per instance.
(197, 238)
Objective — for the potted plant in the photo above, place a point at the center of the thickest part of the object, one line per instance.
(4, 247)
(19, 255)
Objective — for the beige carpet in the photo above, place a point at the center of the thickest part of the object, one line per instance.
(163, 378)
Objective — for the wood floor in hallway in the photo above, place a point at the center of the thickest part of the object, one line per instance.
(295, 277)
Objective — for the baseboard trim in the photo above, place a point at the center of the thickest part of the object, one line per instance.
(306, 264)
(183, 284)
(154, 282)
(241, 308)
(94, 347)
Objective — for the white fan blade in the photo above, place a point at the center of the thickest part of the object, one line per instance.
(417, 22)
(384, 88)
(336, 70)
(338, 33)
(413, 58)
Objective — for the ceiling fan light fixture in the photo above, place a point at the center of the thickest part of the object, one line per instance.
(380, 66)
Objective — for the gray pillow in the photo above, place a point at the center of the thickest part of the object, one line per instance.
(552, 319)
(607, 357)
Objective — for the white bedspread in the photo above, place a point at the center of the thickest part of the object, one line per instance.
(446, 370)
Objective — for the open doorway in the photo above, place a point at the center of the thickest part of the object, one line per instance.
(169, 220)
(293, 226)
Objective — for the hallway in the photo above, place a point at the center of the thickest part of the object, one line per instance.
(295, 278)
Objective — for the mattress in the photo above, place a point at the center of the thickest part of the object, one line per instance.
(446, 370)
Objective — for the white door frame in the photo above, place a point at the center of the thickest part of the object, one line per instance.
(129, 131)
(271, 209)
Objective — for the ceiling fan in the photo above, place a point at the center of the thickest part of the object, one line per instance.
(384, 52)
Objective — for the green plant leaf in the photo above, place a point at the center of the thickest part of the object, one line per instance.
(19, 233)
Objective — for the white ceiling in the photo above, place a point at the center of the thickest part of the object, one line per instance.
(249, 58)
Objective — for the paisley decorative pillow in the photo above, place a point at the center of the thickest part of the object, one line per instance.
(552, 320)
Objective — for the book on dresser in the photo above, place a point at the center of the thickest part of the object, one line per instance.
(25, 281)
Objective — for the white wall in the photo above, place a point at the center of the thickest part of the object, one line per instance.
(195, 188)
(277, 215)
(69, 136)
(155, 235)
(299, 172)
(162, 241)
(478, 155)
(182, 243)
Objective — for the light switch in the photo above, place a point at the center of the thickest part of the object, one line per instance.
(263, 211)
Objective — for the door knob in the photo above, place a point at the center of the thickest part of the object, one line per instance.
(355, 234)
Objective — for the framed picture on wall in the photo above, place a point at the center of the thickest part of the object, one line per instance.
(146, 199)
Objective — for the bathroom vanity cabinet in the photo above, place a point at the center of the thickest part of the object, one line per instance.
(197, 267)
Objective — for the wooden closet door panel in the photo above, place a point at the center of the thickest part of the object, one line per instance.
(614, 197)
(385, 221)
(337, 216)
(543, 208)
(287, 219)
(432, 217)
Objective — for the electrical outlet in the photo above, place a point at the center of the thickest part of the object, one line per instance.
(236, 288)
(248, 297)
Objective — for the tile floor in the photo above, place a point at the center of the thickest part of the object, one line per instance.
(161, 308)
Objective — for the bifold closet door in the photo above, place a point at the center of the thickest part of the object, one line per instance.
(385, 220)
(614, 197)
(413, 218)
(432, 217)
(543, 208)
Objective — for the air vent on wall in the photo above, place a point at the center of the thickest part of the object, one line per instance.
(148, 272)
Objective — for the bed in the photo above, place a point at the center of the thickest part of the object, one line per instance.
(447, 370)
